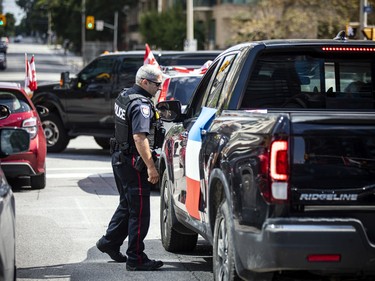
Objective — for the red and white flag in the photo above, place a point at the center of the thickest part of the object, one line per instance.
(33, 84)
(30, 74)
(149, 57)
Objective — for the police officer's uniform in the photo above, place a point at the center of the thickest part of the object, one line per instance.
(134, 113)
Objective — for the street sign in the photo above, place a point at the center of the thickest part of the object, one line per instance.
(367, 9)
(369, 32)
(99, 25)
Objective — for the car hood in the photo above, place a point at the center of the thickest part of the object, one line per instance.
(46, 86)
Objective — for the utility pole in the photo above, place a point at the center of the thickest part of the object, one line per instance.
(362, 17)
(83, 30)
(49, 26)
(190, 42)
(101, 24)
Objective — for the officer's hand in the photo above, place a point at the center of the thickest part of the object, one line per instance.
(153, 175)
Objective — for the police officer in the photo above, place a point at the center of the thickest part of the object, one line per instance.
(136, 127)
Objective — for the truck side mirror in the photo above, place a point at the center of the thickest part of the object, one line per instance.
(170, 110)
(64, 79)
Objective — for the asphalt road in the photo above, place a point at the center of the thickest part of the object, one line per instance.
(50, 61)
(57, 227)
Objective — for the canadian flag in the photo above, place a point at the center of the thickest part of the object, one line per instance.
(30, 74)
(149, 57)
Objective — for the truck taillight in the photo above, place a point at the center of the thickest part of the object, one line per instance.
(164, 90)
(279, 160)
(279, 169)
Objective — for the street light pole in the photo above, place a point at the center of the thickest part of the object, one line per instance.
(115, 28)
(362, 17)
(83, 30)
(190, 43)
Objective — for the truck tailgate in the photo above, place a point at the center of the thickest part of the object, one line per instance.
(332, 159)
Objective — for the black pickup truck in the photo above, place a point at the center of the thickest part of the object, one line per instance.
(84, 104)
(273, 161)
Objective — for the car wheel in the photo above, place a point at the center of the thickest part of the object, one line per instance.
(223, 250)
(103, 142)
(172, 240)
(38, 181)
(56, 136)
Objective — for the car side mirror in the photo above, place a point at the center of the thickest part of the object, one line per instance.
(4, 112)
(42, 110)
(13, 140)
(64, 80)
(169, 111)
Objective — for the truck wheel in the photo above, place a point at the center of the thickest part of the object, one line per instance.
(172, 240)
(103, 142)
(223, 250)
(38, 181)
(56, 136)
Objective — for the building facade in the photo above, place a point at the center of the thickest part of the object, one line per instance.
(215, 15)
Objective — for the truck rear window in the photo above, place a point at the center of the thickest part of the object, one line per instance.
(315, 81)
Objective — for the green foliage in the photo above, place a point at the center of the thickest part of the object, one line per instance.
(167, 30)
(66, 18)
(263, 19)
(295, 19)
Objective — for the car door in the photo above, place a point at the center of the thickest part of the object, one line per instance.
(191, 183)
(88, 103)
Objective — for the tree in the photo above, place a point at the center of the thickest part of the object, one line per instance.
(293, 19)
(66, 18)
(167, 31)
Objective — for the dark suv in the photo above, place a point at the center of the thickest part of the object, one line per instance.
(84, 105)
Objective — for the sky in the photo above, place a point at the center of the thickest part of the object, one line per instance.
(10, 6)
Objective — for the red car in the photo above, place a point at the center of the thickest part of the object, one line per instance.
(27, 168)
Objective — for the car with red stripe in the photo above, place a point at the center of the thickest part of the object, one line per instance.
(273, 161)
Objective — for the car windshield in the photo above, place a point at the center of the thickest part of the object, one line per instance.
(15, 101)
(182, 87)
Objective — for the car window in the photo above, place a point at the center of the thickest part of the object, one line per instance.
(182, 87)
(195, 106)
(219, 81)
(128, 70)
(15, 102)
(192, 60)
(318, 81)
(99, 70)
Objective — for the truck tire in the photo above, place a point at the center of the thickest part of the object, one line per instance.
(223, 250)
(38, 181)
(56, 136)
(103, 142)
(172, 240)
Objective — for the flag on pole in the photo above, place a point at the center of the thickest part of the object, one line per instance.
(33, 84)
(149, 57)
(30, 74)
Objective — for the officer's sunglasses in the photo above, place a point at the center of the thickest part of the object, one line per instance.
(157, 84)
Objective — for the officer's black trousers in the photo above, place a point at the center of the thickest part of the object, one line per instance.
(132, 216)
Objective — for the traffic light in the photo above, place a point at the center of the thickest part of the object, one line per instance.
(3, 20)
(90, 22)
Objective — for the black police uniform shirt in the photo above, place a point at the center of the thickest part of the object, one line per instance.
(140, 112)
